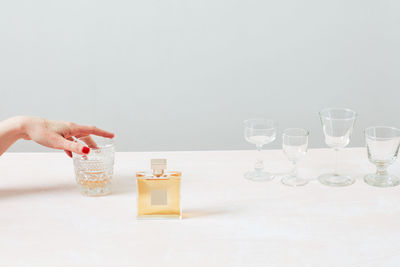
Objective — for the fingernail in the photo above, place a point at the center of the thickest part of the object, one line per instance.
(85, 150)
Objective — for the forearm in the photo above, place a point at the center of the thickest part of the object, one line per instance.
(11, 130)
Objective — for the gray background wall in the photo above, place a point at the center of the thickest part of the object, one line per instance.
(183, 75)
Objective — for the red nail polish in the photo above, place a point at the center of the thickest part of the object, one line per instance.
(85, 150)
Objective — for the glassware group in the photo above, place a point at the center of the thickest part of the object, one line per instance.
(159, 190)
(337, 124)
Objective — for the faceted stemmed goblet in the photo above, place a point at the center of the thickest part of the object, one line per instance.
(294, 144)
(337, 124)
(383, 146)
(259, 132)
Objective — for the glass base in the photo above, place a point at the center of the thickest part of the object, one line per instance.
(381, 180)
(97, 191)
(332, 179)
(291, 180)
(259, 176)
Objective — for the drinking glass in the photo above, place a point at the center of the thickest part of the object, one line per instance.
(94, 171)
(382, 146)
(294, 144)
(259, 132)
(337, 124)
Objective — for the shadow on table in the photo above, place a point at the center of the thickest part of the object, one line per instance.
(121, 185)
(124, 185)
(359, 177)
(36, 190)
(194, 213)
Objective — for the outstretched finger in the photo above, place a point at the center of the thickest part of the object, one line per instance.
(88, 130)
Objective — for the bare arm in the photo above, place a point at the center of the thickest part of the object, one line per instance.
(10, 131)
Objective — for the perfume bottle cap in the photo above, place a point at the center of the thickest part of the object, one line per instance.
(158, 164)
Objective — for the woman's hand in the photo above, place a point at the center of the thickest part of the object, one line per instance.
(53, 134)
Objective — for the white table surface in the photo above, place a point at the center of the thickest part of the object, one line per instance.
(228, 221)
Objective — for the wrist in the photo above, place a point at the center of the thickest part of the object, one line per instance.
(18, 126)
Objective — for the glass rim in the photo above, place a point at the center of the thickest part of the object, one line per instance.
(306, 132)
(273, 123)
(338, 108)
(110, 143)
(381, 127)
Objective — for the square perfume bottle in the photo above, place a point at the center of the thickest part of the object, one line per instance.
(159, 192)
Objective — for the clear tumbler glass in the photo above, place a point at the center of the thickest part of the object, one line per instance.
(94, 171)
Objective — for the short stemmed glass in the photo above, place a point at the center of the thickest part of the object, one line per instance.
(337, 124)
(259, 132)
(382, 146)
(294, 144)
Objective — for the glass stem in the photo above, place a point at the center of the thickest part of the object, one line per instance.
(381, 170)
(294, 170)
(336, 170)
(259, 162)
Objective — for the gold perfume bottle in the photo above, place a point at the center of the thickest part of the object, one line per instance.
(159, 192)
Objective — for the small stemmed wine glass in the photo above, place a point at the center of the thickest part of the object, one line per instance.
(294, 144)
(383, 147)
(337, 124)
(259, 132)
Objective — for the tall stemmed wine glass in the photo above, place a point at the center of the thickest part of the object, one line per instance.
(337, 124)
(259, 132)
